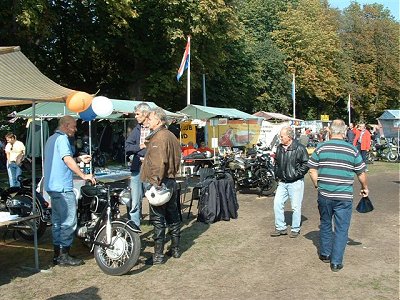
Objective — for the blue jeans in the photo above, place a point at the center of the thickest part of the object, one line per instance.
(13, 171)
(294, 191)
(135, 208)
(63, 218)
(332, 241)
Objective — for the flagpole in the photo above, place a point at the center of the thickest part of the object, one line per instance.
(349, 109)
(294, 96)
(188, 77)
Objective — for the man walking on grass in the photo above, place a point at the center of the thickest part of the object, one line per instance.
(290, 167)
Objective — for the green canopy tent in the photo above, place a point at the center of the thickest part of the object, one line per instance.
(57, 110)
(208, 112)
(52, 110)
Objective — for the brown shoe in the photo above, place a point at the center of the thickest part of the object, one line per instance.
(279, 232)
(294, 234)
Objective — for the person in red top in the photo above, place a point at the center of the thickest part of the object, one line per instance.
(187, 150)
(204, 148)
(362, 141)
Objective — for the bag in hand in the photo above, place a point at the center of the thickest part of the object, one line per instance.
(365, 205)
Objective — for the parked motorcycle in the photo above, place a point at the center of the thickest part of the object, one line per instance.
(19, 201)
(114, 240)
(386, 151)
(253, 172)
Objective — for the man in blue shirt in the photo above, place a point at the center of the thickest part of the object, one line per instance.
(59, 166)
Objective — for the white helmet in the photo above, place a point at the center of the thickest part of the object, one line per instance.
(158, 195)
(208, 154)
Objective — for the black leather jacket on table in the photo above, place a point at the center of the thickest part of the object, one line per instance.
(291, 164)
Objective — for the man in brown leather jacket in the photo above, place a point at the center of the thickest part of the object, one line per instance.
(160, 166)
(290, 167)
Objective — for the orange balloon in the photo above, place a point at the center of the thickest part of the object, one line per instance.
(79, 101)
(69, 97)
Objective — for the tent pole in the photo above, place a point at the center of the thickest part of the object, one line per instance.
(35, 241)
(126, 136)
(41, 143)
(90, 146)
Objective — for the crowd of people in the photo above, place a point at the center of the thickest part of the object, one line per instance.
(155, 158)
(360, 135)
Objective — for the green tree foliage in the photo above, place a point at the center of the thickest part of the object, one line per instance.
(131, 49)
(307, 35)
(212, 26)
(370, 42)
(271, 78)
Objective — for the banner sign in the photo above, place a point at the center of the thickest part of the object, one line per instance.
(324, 118)
(235, 133)
(188, 133)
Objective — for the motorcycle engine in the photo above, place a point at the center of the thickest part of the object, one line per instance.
(82, 231)
(94, 198)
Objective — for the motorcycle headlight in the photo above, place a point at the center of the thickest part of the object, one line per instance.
(125, 197)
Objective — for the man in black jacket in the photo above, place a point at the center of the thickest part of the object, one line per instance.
(135, 149)
(290, 168)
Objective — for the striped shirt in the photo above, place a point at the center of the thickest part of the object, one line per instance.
(336, 161)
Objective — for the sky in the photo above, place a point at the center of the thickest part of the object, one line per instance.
(392, 5)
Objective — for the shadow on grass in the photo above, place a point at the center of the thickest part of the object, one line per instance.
(288, 218)
(17, 258)
(314, 237)
(191, 230)
(89, 293)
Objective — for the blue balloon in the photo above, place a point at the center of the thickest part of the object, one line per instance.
(88, 115)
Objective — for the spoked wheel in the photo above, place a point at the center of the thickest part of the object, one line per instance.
(392, 156)
(124, 254)
(25, 230)
(370, 158)
(267, 183)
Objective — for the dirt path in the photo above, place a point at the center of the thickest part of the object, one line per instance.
(236, 259)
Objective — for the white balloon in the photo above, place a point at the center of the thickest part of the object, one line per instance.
(102, 106)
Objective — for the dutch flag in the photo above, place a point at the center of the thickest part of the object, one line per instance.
(185, 60)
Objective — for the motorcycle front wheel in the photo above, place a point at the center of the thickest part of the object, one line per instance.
(266, 182)
(125, 252)
(392, 156)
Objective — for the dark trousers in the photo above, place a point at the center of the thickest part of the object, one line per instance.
(166, 215)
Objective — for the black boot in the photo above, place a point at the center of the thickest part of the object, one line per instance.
(158, 256)
(159, 237)
(66, 260)
(56, 254)
(174, 250)
(175, 231)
